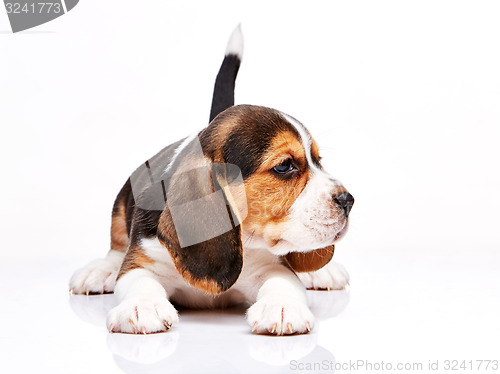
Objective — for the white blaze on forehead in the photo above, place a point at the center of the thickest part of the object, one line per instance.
(306, 143)
(304, 137)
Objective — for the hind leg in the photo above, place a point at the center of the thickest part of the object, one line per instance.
(99, 276)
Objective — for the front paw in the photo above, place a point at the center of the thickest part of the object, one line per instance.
(333, 276)
(142, 316)
(97, 277)
(269, 316)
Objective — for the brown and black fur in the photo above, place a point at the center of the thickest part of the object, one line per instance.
(241, 136)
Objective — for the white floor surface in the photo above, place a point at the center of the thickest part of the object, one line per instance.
(430, 307)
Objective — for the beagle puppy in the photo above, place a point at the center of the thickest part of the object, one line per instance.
(240, 212)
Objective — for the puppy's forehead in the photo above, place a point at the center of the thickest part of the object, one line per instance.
(309, 144)
(251, 132)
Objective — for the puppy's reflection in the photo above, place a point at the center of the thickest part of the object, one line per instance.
(213, 340)
(92, 309)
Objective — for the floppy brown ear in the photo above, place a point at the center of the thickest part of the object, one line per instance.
(303, 262)
(202, 232)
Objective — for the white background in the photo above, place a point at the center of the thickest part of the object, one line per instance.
(403, 98)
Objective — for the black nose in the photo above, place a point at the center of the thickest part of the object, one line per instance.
(345, 200)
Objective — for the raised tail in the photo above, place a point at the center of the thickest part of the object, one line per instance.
(223, 97)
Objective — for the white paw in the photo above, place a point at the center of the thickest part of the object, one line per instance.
(97, 277)
(270, 316)
(139, 316)
(332, 276)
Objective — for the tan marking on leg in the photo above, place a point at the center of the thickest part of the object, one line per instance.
(119, 236)
(135, 258)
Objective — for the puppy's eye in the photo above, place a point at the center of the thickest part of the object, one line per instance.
(285, 167)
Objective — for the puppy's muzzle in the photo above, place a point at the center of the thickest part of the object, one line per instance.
(345, 201)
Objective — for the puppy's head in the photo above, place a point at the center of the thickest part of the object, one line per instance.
(293, 204)
(294, 208)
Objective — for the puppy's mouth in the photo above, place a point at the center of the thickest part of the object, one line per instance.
(323, 231)
(341, 233)
(283, 246)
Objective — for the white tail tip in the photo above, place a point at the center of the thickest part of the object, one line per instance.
(235, 44)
